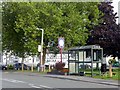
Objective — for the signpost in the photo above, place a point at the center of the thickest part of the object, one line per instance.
(39, 48)
(61, 45)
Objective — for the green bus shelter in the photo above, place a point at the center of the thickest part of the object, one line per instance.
(83, 56)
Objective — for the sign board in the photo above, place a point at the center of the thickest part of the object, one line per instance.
(61, 42)
(39, 48)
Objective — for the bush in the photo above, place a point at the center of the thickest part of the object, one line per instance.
(10, 67)
(59, 66)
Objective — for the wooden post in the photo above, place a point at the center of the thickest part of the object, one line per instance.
(22, 67)
(110, 70)
(32, 68)
(44, 69)
(49, 68)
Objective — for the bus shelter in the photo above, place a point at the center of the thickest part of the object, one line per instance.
(81, 57)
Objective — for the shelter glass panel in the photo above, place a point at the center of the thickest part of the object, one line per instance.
(72, 55)
(77, 55)
(71, 67)
(97, 55)
(76, 67)
(81, 55)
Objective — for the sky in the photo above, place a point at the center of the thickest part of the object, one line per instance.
(115, 5)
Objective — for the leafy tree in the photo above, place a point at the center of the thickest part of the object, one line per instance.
(12, 40)
(107, 33)
(70, 20)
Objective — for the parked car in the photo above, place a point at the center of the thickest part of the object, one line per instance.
(116, 64)
(38, 65)
(3, 67)
(18, 66)
(85, 66)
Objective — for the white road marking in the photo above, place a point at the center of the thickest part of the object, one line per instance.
(32, 85)
(12, 80)
(45, 86)
(21, 81)
(35, 87)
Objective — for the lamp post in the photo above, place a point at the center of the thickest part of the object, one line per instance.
(41, 49)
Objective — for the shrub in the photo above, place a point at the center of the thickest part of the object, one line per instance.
(10, 67)
(59, 66)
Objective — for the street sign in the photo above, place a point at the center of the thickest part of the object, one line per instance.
(39, 48)
(61, 42)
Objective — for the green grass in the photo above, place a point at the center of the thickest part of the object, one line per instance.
(115, 76)
(96, 74)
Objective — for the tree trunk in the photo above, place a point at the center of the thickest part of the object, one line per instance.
(44, 55)
(43, 58)
(110, 70)
(6, 58)
(22, 63)
(32, 69)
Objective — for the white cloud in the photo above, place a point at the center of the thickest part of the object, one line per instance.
(115, 5)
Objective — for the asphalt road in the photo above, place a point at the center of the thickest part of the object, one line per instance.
(22, 80)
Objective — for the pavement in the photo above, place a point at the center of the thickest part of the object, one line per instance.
(87, 79)
(78, 78)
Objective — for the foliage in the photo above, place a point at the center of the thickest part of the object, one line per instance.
(59, 66)
(114, 77)
(107, 33)
(12, 40)
(10, 67)
(70, 20)
(111, 61)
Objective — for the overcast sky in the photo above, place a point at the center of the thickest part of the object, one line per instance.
(115, 5)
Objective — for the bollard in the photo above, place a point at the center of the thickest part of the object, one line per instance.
(49, 68)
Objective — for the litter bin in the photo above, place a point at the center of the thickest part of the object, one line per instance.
(82, 73)
(38, 68)
(103, 68)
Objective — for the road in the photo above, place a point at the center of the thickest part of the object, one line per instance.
(22, 80)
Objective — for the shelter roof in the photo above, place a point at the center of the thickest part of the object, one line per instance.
(85, 47)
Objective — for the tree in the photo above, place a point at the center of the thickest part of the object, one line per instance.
(13, 41)
(107, 33)
(21, 20)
